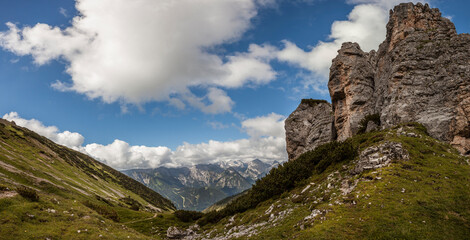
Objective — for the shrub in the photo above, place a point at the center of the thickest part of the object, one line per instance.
(103, 210)
(187, 216)
(418, 126)
(132, 203)
(286, 177)
(371, 117)
(4, 188)
(104, 200)
(28, 193)
(312, 102)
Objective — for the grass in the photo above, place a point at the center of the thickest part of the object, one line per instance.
(28, 193)
(426, 197)
(286, 177)
(63, 194)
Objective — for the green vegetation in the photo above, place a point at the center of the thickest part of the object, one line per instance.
(425, 197)
(104, 211)
(48, 191)
(187, 216)
(28, 193)
(312, 102)
(375, 118)
(223, 203)
(93, 169)
(133, 204)
(286, 177)
(46, 194)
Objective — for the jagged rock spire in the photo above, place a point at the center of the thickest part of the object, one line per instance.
(420, 73)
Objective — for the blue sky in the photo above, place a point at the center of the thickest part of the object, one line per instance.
(176, 82)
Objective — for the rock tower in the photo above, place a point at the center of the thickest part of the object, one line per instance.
(420, 73)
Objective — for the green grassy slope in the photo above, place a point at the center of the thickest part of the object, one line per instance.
(425, 197)
(223, 203)
(79, 197)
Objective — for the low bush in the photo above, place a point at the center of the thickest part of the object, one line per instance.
(104, 200)
(28, 193)
(103, 210)
(4, 188)
(187, 216)
(286, 177)
(371, 117)
(418, 126)
(132, 203)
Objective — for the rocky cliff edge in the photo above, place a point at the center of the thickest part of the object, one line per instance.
(420, 73)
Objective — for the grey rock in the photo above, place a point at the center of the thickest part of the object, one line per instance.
(420, 73)
(380, 156)
(372, 126)
(351, 87)
(177, 233)
(309, 126)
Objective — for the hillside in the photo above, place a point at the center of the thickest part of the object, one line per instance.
(219, 205)
(387, 159)
(402, 184)
(48, 191)
(197, 187)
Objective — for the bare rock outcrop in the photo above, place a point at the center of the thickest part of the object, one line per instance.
(309, 126)
(423, 74)
(380, 156)
(420, 73)
(351, 88)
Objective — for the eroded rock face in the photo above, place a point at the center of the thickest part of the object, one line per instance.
(309, 126)
(351, 88)
(420, 73)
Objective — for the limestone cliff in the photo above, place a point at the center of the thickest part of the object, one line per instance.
(420, 73)
(309, 126)
(351, 88)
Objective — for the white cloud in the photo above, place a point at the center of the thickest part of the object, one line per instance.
(267, 149)
(69, 139)
(121, 155)
(140, 51)
(269, 125)
(267, 142)
(366, 25)
(217, 125)
(63, 12)
(216, 101)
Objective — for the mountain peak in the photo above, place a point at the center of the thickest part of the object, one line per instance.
(420, 73)
(408, 18)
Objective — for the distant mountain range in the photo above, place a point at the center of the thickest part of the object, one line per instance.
(199, 186)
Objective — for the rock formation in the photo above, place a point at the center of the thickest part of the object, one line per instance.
(380, 156)
(351, 88)
(309, 126)
(420, 73)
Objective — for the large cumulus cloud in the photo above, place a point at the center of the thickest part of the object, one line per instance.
(146, 50)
